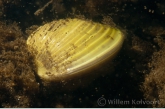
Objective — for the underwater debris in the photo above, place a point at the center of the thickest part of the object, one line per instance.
(42, 9)
(18, 86)
(57, 6)
(153, 86)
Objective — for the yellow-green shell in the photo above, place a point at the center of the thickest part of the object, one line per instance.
(71, 46)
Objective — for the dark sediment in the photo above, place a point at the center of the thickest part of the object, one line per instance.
(139, 67)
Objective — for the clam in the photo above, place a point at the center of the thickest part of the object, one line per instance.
(69, 47)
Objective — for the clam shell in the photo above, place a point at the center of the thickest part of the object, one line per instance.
(70, 47)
